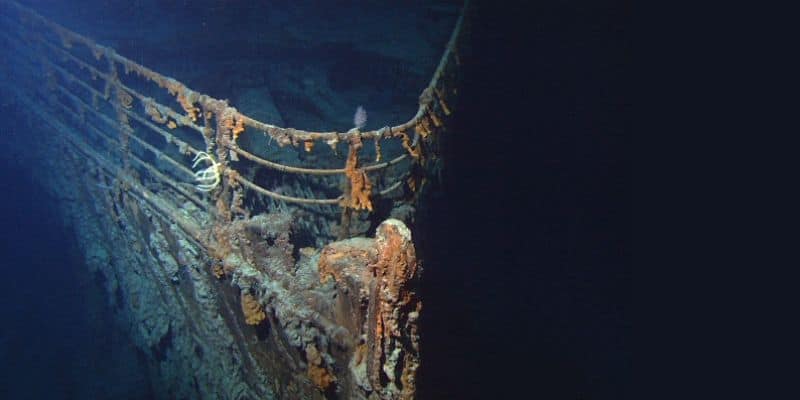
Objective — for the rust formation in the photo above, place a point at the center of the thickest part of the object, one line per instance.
(264, 287)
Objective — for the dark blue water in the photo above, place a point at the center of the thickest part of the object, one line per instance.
(58, 339)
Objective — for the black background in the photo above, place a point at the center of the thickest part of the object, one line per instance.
(527, 283)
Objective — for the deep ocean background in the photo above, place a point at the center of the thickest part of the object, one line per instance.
(527, 285)
(535, 226)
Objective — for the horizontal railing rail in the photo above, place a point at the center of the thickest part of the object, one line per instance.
(104, 84)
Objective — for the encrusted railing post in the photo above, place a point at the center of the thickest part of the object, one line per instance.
(378, 302)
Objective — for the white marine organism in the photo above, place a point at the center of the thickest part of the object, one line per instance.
(207, 179)
(360, 117)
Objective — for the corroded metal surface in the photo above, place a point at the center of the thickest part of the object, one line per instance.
(229, 296)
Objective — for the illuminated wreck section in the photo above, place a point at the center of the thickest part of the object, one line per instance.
(238, 274)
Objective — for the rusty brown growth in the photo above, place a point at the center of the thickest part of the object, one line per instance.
(360, 188)
(393, 339)
(252, 310)
(317, 372)
(151, 110)
(432, 107)
(218, 271)
(188, 106)
(412, 151)
(334, 320)
(377, 281)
